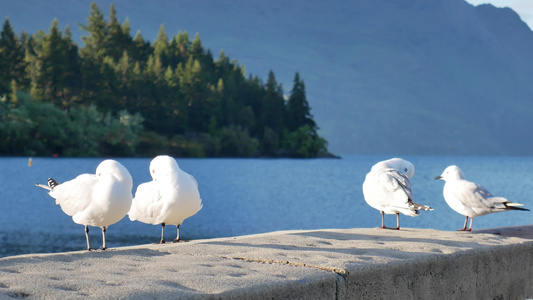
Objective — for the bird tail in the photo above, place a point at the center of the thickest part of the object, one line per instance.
(51, 184)
(514, 206)
(421, 207)
(43, 186)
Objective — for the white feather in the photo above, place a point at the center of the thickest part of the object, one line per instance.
(171, 197)
(468, 198)
(387, 187)
(99, 199)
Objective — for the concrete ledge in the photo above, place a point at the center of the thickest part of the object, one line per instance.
(319, 264)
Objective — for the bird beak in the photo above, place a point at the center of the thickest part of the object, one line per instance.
(438, 177)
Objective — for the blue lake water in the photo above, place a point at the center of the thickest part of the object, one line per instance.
(246, 196)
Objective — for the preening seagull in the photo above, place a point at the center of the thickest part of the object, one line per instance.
(471, 199)
(387, 188)
(99, 200)
(170, 198)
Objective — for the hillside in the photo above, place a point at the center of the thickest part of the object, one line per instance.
(382, 77)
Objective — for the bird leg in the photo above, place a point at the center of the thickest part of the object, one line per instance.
(104, 229)
(466, 223)
(177, 239)
(471, 221)
(382, 220)
(162, 241)
(87, 237)
(397, 221)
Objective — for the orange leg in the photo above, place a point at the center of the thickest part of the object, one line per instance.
(382, 220)
(466, 223)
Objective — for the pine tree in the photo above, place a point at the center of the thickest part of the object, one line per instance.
(274, 113)
(12, 63)
(95, 42)
(298, 110)
(161, 46)
(49, 61)
(196, 47)
(118, 38)
(58, 76)
(125, 81)
(96, 74)
(141, 49)
(195, 94)
(302, 140)
(70, 80)
(176, 52)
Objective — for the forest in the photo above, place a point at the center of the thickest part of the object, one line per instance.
(122, 95)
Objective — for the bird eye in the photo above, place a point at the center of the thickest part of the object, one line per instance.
(153, 171)
(405, 170)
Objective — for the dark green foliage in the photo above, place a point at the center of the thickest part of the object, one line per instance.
(118, 38)
(270, 142)
(298, 110)
(39, 128)
(235, 141)
(119, 95)
(12, 64)
(304, 142)
(56, 69)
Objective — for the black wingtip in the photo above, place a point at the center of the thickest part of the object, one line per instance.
(52, 183)
(516, 208)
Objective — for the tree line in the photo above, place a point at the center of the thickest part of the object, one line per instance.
(120, 95)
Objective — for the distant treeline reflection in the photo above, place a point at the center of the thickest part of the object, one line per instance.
(120, 95)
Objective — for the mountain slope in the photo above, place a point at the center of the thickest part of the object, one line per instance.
(383, 77)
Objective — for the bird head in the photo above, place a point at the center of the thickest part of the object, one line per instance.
(115, 169)
(452, 172)
(398, 164)
(163, 167)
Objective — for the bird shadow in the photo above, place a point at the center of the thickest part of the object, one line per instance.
(373, 247)
(69, 257)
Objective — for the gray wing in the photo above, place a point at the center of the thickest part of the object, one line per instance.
(474, 195)
(397, 186)
(397, 180)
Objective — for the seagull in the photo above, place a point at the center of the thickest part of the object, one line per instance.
(170, 198)
(98, 200)
(471, 199)
(387, 188)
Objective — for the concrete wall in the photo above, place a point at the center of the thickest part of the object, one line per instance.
(504, 272)
(363, 263)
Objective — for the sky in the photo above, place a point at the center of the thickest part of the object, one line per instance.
(524, 8)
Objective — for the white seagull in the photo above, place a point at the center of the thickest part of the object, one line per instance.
(471, 199)
(99, 200)
(387, 188)
(170, 198)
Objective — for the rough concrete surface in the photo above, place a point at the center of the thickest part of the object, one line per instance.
(363, 263)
